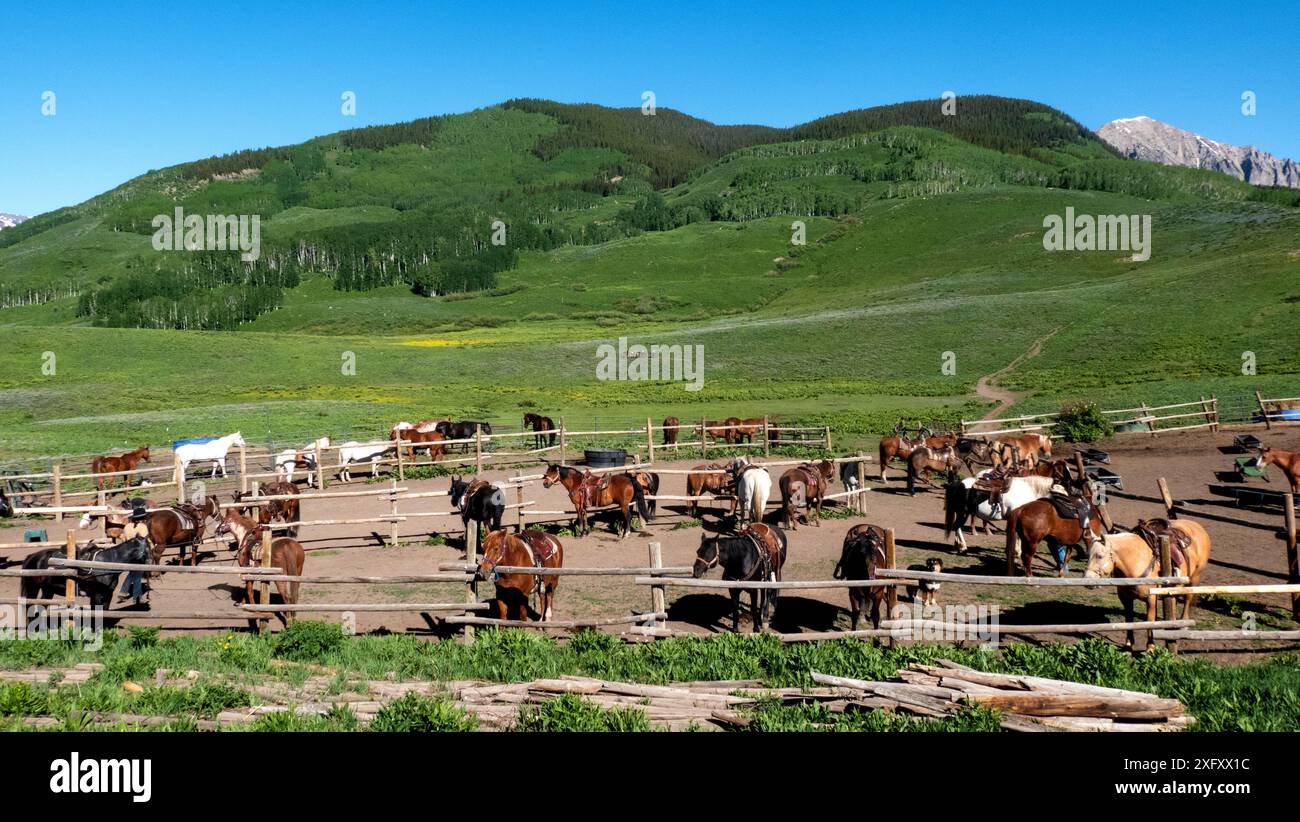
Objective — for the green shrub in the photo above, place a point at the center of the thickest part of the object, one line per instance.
(1083, 422)
(416, 713)
(21, 699)
(307, 640)
(569, 712)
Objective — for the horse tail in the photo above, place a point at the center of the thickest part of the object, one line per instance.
(639, 497)
(955, 511)
(911, 475)
(1013, 528)
(884, 458)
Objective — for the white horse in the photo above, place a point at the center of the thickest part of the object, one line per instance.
(214, 450)
(753, 488)
(350, 452)
(290, 458)
(957, 507)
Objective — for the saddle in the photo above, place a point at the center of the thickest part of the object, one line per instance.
(768, 545)
(1152, 530)
(588, 493)
(539, 551)
(1074, 508)
(190, 516)
(473, 488)
(251, 547)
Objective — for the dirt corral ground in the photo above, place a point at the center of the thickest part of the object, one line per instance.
(1188, 460)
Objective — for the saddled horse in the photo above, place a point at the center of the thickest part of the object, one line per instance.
(287, 554)
(181, 526)
(928, 458)
(293, 459)
(807, 482)
(1136, 555)
(987, 497)
(753, 489)
(756, 554)
(587, 490)
(1288, 461)
(545, 428)
(862, 553)
(649, 483)
(530, 549)
(481, 501)
(902, 447)
(214, 451)
(1023, 448)
(712, 480)
(1061, 522)
(671, 430)
(282, 510)
(98, 585)
(748, 427)
(977, 452)
(110, 465)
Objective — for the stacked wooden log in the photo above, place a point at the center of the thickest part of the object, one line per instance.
(1027, 703)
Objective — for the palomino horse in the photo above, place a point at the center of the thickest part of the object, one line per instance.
(807, 482)
(283, 510)
(671, 429)
(293, 459)
(98, 585)
(756, 554)
(1136, 555)
(928, 458)
(214, 451)
(1288, 461)
(902, 447)
(714, 481)
(111, 465)
(589, 491)
(863, 552)
(1026, 448)
(753, 489)
(545, 428)
(965, 501)
(480, 501)
(286, 554)
(748, 428)
(1062, 522)
(530, 549)
(181, 526)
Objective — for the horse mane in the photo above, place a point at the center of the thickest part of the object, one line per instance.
(1039, 485)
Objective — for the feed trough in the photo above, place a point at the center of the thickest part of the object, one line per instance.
(1247, 442)
(1095, 455)
(605, 457)
(1105, 476)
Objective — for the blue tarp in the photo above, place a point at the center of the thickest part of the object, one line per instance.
(194, 441)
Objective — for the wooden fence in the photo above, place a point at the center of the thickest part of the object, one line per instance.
(1145, 417)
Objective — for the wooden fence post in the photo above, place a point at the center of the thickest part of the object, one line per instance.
(563, 458)
(264, 596)
(828, 438)
(1292, 555)
(519, 497)
(704, 437)
(1151, 424)
(656, 591)
(57, 480)
(70, 586)
(767, 439)
(103, 521)
(478, 449)
(243, 469)
(1262, 410)
(1167, 569)
(320, 468)
(649, 440)
(471, 598)
(393, 529)
(891, 593)
(401, 467)
(1214, 407)
(1170, 513)
(862, 483)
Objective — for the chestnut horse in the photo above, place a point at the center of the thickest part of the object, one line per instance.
(545, 426)
(110, 465)
(1288, 461)
(1040, 521)
(756, 554)
(902, 447)
(718, 430)
(423, 436)
(929, 458)
(863, 552)
(671, 430)
(530, 549)
(748, 428)
(286, 554)
(589, 491)
(1134, 555)
(1028, 448)
(284, 510)
(182, 526)
(808, 481)
(715, 483)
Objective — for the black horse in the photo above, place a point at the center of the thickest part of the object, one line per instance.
(754, 555)
(6, 507)
(544, 426)
(98, 585)
(649, 487)
(463, 430)
(481, 501)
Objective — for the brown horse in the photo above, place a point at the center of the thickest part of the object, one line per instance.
(530, 549)
(901, 447)
(110, 465)
(748, 428)
(283, 510)
(589, 491)
(929, 458)
(1135, 555)
(181, 526)
(1288, 461)
(863, 552)
(422, 436)
(715, 483)
(1026, 448)
(650, 487)
(718, 430)
(545, 428)
(286, 554)
(808, 481)
(1043, 520)
(671, 430)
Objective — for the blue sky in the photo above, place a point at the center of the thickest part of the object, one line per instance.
(139, 89)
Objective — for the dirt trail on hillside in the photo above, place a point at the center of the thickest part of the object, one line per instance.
(987, 387)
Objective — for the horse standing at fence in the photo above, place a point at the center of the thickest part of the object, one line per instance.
(1023, 448)
(1059, 520)
(286, 554)
(747, 428)
(281, 510)
(862, 553)
(1137, 555)
(355, 452)
(98, 585)
(928, 458)
(671, 430)
(714, 429)
(465, 430)
(1288, 461)
(649, 487)
(987, 497)
(530, 549)
(753, 489)
(808, 483)
(481, 501)
(756, 554)
(545, 428)
(214, 451)
(181, 526)
(713, 480)
(111, 465)
(292, 459)
(902, 447)
(977, 452)
(587, 490)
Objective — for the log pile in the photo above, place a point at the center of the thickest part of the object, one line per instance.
(1027, 703)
